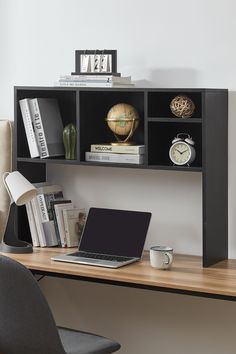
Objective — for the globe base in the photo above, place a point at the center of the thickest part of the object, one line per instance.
(120, 143)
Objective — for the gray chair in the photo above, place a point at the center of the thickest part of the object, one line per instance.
(26, 322)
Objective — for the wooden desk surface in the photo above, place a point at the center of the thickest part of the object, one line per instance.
(186, 275)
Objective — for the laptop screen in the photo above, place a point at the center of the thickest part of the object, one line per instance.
(115, 232)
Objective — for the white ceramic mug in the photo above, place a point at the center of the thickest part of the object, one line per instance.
(161, 257)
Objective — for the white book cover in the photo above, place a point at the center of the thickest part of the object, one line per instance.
(29, 128)
(48, 126)
(74, 220)
(60, 222)
(118, 149)
(32, 225)
(38, 222)
(45, 195)
(38, 128)
(115, 158)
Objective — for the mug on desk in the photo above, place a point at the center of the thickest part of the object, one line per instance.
(161, 257)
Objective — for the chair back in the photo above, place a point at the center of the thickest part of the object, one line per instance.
(26, 322)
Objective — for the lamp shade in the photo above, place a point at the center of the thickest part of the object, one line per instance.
(19, 188)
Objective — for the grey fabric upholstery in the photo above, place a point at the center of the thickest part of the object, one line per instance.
(5, 166)
(27, 325)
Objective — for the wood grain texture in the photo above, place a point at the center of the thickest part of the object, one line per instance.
(186, 274)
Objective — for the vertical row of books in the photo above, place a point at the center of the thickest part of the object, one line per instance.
(43, 126)
(133, 154)
(53, 220)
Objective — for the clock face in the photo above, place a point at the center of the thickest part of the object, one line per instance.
(180, 153)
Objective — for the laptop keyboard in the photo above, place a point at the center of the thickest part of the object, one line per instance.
(100, 256)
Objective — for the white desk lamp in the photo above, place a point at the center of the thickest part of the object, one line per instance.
(20, 191)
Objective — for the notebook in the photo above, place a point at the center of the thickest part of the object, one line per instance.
(111, 238)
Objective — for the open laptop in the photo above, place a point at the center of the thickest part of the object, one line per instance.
(111, 238)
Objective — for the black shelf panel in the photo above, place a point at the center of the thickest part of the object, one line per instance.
(113, 164)
(175, 168)
(106, 164)
(174, 120)
(48, 161)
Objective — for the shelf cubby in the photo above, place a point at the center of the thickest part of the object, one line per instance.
(67, 106)
(160, 136)
(159, 103)
(94, 107)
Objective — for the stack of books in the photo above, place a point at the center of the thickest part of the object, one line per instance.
(54, 221)
(43, 126)
(133, 154)
(89, 80)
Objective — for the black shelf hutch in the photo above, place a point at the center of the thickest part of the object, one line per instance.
(87, 109)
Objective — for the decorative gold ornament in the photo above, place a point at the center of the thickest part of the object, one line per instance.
(123, 120)
(182, 106)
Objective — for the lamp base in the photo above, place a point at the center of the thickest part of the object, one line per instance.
(10, 242)
(20, 247)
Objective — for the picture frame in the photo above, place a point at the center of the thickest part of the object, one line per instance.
(95, 62)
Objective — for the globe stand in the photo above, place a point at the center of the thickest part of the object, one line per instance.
(126, 141)
(121, 143)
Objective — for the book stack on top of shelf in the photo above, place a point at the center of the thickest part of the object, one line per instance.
(54, 221)
(133, 154)
(110, 80)
(43, 126)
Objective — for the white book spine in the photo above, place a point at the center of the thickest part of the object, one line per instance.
(29, 129)
(42, 208)
(83, 84)
(65, 83)
(32, 226)
(116, 158)
(61, 227)
(48, 225)
(38, 222)
(86, 77)
(38, 127)
(66, 227)
(116, 149)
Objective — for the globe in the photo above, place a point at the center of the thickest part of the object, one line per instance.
(123, 120)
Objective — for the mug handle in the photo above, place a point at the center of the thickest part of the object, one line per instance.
(169, 258)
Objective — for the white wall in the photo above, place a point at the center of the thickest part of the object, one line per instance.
(160, 43)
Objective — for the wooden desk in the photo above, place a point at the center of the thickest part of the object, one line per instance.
(187, 276)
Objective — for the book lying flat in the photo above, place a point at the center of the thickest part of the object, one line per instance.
(118, 149)
(121, 80)
(91, 84)
(116, 158)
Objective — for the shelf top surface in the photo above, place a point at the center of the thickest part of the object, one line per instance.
(186, 274)
(123, 88)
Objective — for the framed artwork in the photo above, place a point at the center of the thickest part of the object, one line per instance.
(95, 62)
